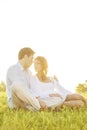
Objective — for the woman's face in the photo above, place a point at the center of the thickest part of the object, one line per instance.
(37, 65)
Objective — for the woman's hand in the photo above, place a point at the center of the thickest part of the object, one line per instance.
(55, 77)
(55, 95)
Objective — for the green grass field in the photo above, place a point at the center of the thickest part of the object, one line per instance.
(65, 119)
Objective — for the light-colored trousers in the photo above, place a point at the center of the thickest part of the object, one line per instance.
(22, 97)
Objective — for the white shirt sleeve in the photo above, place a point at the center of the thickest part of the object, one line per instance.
(60, 89)
(8, 89)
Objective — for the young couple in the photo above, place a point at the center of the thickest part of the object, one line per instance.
(34, 92)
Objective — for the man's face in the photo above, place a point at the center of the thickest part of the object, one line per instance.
(27, 61)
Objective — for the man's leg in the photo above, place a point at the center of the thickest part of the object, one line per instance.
(18, 103)
(24, 96)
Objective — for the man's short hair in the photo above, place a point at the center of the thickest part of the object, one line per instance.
(25, 51)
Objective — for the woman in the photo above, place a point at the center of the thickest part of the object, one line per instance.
(48, 90)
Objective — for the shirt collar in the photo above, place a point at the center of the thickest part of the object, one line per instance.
(20, 66)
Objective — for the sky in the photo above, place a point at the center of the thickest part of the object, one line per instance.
(56, 29)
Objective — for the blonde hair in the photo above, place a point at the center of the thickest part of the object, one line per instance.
(44, 65)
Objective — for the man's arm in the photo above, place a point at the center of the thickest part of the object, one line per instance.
(42, 103)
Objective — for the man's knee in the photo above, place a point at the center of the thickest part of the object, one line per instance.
(16, 86)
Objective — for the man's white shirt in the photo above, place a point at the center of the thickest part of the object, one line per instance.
(15, 74)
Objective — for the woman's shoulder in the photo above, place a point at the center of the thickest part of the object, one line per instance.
(47, 80)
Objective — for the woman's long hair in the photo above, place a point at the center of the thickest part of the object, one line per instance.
(44, 64)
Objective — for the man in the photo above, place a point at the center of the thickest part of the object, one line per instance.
(18, 78)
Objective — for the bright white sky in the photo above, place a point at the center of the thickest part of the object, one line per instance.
(56, 29)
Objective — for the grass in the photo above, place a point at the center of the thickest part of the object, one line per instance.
(66, 119)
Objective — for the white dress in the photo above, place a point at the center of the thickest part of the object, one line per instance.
(42, 90)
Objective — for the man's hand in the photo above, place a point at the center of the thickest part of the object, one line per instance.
(42, 103)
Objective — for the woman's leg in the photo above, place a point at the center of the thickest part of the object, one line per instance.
(74, 103)
(75, 97)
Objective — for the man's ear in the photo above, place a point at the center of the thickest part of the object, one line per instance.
(25, 56)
